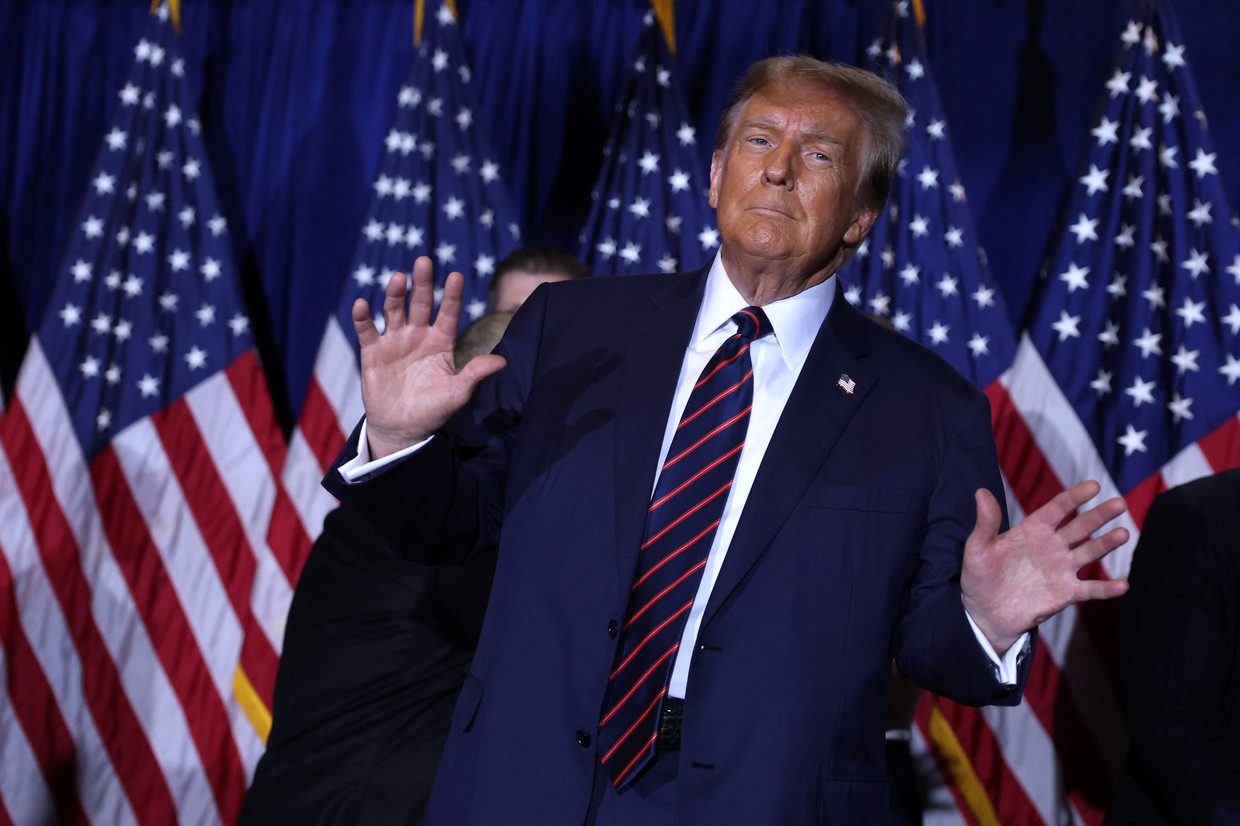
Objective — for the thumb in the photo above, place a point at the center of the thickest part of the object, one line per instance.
(989, 518)
(479, 367)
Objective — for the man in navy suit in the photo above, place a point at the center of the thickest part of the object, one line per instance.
(864, 473)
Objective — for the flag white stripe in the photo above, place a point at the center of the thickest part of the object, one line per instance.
(23, 791)
(302, 477)
(1031, 757)
(239, 460)
(1187, 465)
(335, 369)
(121, 627)
(38, 611)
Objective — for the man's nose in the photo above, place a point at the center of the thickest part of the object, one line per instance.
(779, 162)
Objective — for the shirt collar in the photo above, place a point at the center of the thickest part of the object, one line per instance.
(795, 319)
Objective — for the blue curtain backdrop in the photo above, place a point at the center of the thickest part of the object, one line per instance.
(296, 95)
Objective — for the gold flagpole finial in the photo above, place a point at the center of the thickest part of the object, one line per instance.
(664, 10)
(919, 13)
(174, 8)
(419, 13)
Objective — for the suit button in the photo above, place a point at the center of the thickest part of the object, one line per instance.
(613, 628)
(583, 739)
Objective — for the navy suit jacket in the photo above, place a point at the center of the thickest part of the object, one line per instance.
(847, 554)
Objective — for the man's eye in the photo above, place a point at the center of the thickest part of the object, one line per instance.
(759, 141)
(822, 157)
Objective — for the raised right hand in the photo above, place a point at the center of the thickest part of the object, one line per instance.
(410, 386)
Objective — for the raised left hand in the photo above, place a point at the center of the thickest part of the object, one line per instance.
(1015, 580)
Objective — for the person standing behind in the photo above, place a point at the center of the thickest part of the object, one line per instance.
(1179, 651)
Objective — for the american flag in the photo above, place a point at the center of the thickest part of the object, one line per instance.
(141, 608)
(1127, 374)
(439, 192)
(650, 212)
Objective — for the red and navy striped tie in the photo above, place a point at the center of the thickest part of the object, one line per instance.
(681, 522)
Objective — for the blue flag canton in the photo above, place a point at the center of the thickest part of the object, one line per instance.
(146, 304)
(439, 191)
(1138, 308)
(650, 211)
(921, 267)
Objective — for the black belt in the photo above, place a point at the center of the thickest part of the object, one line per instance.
(669, 724)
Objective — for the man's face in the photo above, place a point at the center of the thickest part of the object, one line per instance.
(516, 286)
(785, 186)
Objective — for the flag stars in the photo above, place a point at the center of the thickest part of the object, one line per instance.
(1203, 164)
(1155, 295)
(928, 178)
(93, 227)
(1075, 278)
(444, 16)
(445, 253)
(401, 188)
(1106, 131)
(1141, 138)
(205, 315)
(1147, 89)
(880, 304)
(155, 201)
(1159, 247)
(239, 324)
(902, 321)
(409, 97)
(1166, 157)
(673, 222)
(1149, 343)
(71, 314)
(915, 70)
(1117, 288)
(1234, 269)
(631, 252)
(439, 60)
(112, 280)
(116, 139)
(144, 243)
(104, 183)
(1164, 203)
(103, 419)
(936, 129)
(434, 107)
(454, 208)
(954, 237)
(464, 119)
(148, 385)
(1185, 360)
(957, 191)
(1141, 392)
(1173, 55)
(1096, 180)
(1118, 84)
(1169, 108)
(489, 171)
(413, 237)
(196, 358)
(663, 77)
(1133, 188)
(101, 324)
(129, 95)
(476, 308)
(460, 164)
(1232, 319)
(686, 134)
(89, 367)
(1231, 369)
(1200, 213)
(168, 302)
(1192, 312)
(1179, 408)
(919, 226)
(178, 260)
(938, 332)
(364, 275)
(678, 181)
(484, 265)
(373, 231)
(910, 274)
(1133, 440)
(421, 193)
(210, 269)
(123, 330)
(1196, 263)
(191, 169)
(187, 217)
(81, 271)
(172, 116)
(640, 208)
(649, 163)
(984, 296)
(395, 233)
(217, 225)
(979, 345)
(1125, 236)
(132, 286)
(1067, 326)
(709, 238)
(1085, 229)
(1101, 383)
(606, 248)
(667, 263)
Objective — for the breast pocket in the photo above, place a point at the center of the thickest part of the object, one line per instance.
(863, 498)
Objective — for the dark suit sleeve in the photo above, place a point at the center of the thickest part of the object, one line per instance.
(1177, 649)
(445, 501)
(934, 644)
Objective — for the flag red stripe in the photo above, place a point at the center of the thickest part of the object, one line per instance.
(36, 708)
(1222, 446)
(1032, 479)
(221, 529)
(122, 735)
(171, 636)
(319, 426)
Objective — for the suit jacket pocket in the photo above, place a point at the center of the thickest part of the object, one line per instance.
(863, 498)
(467, 703)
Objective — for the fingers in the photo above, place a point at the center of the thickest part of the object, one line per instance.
(1084, 525)
(1101, 589)
(1097, 548)
(989, 517)
(450, 306)
(1066, 503)
(394, 302)
(423, 293)
(363, 324)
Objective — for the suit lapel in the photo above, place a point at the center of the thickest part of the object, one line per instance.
(817, 413)
(654, 355)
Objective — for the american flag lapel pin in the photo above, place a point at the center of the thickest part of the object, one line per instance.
(847, 384)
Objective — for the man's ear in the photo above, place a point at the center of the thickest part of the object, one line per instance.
(716, 170)
(861, 225)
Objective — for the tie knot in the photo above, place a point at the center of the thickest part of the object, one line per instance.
(752, 323)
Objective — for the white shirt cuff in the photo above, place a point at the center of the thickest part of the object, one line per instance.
(362, 465)
(1005, 667)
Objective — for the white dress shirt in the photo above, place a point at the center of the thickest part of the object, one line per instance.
(777, 362)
